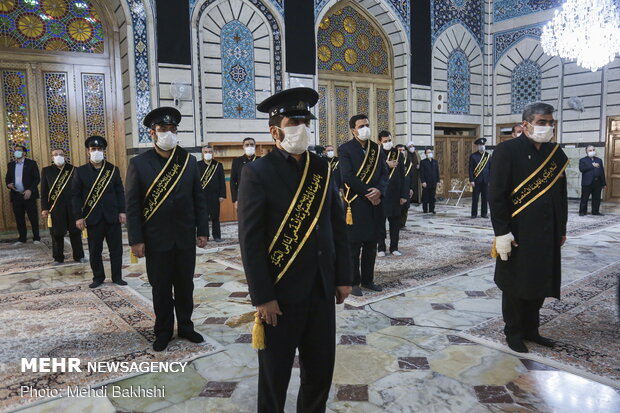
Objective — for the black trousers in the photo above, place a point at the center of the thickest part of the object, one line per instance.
(428, 199)
(21, 208)
(480, 189)
(166, 271)
(368, 251)
(214, 217)
(593, 189)
(522, 317)
(309, 326)
(395, 223)
(113, 236)
(404, 214)
(58, 246)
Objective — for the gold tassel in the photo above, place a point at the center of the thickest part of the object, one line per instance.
(349, 217)
(84, 233)
(132, 258)
(49, 220)
(494, 249)
(258, 334)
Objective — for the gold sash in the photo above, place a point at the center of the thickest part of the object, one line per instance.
(165, 182)
(333, 164)
(540, 181)
(410, 165)
(63, 177)
(392, 158)
(365, 173)
(298, 223)
(209, 173)
(96, 191)
(482, 164)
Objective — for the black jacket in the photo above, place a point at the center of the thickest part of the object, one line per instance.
(485, 176)
(62, 215)
(30, 178)
(398, 187)
(429, 172)
(335, 164)
(589, 172)
(534, 267)
(267, 189)
(235, 173)
(181, 217)
(217, 186)
(112, 202)
(365, 215)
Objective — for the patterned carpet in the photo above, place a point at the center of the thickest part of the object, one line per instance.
(28, 256)
(584, 323)
(106, 324)
(576, 226)
(423, 262)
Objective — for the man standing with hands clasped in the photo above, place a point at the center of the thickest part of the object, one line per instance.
(529, 210)
(479, 169)
(592, 181)
(166, 220)
(295, 256)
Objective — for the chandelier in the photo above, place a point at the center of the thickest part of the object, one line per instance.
(587, 31)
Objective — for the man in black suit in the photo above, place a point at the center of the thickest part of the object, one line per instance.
(167, 229)
(214, 187)
(517, 130)
(249, 155)
(479, 177)
(592, 181)
(293, 284)
(429, 175)
(333, 161)
(22, 178)
(99, 209)
(56, 207)
(363, 189)
(395, 196)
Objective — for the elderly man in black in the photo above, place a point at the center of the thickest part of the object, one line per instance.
(529, 210)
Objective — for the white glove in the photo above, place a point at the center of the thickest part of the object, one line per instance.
(503, 245)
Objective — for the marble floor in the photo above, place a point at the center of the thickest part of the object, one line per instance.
(401, 354)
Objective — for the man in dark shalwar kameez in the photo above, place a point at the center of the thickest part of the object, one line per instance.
(529, 210)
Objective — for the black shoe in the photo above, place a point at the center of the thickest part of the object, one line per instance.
(433, 212)
(120, 282)
(516, 344)
(484, 216)
(581, 214)
(372, 286)
(598, 213)
(161, 342)
(192, 336)
(543, 341)
(474, 216)
(81, 260)
(95, 284)
(356, 291)
(217, 240)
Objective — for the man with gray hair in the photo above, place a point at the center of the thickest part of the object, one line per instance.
(592, 181)
(529, 210)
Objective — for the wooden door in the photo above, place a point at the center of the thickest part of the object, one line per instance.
(452, 153)
(612, 166)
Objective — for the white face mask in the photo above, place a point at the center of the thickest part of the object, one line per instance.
(387, 145)
(591, 154)
(166, 140)
(96, 156)
(481, 147)
(429, 155)
(249, 150)
(59, 160)
(18, 154)
(542, 134)
(412, 149)
(330, 154)
(363, 133)
(296, 138)
(207, 156)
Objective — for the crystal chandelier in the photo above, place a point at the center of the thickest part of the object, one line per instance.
(587, 31)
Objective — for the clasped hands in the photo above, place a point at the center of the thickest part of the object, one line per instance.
(374, 196)
(269, 312)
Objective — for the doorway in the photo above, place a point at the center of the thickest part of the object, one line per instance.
(453, 144)
(612, 191)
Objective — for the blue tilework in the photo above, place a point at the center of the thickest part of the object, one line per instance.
(503, 41)
(525, 85)
(469, 13)
(458, 82)
(401, 7)
(238, 91)
(509, 9)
